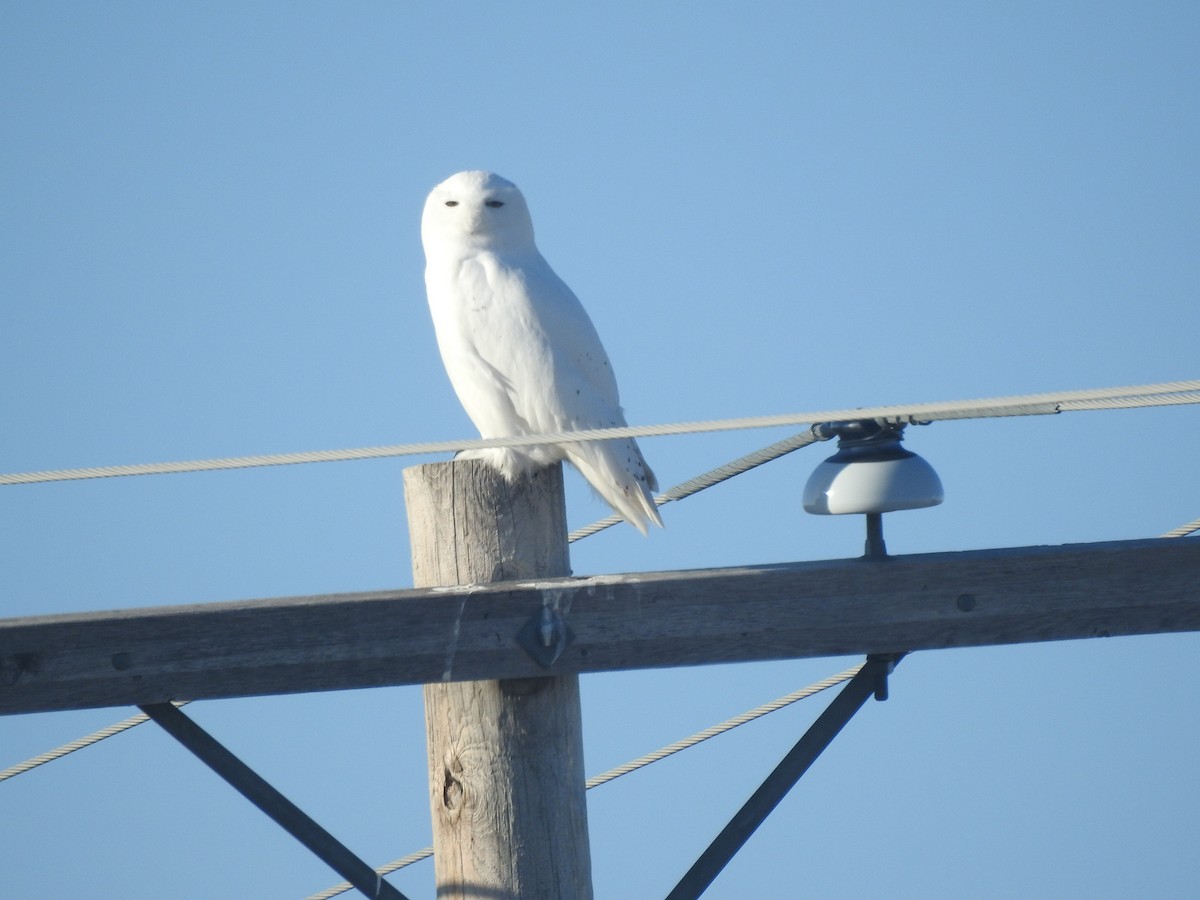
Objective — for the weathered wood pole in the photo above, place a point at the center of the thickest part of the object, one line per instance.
(506, 771)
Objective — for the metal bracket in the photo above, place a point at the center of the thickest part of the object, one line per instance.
(545, 636)
(882, 666)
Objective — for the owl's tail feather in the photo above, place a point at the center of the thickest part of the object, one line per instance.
(619, 474)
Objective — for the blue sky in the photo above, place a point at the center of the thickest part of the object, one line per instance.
(209, 247)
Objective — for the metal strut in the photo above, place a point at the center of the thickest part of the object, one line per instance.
(252, 786)
(870, 680)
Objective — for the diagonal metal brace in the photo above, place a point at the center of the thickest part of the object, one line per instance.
(870, 680)
(252, 786)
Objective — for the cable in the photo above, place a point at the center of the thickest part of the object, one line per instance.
(394, 866)
(93, 738)
(1165, 393)
(1174, 399)
(708, 479)
(641, 762)
(1183, 530)
(727, 725)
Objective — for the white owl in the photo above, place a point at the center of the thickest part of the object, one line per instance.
(520, 350)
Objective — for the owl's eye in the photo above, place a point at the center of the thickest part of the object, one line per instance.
(452, 203)
(494, 204)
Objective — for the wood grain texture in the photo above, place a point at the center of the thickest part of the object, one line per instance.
(635, 621)
(507, 792)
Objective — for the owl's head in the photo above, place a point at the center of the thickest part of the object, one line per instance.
(476, 210)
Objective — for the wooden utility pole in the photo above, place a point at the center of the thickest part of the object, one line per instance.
(506, 773)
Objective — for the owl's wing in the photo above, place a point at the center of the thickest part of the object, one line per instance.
(585, 395)
(520, 349)
(524, 358)
(582, 389)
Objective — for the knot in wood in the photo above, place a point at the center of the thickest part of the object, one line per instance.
(452, 788)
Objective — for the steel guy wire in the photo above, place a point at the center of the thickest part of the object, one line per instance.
(642, 761)
(708, 479)
(1183, 530)
(728, 725)
(93, 738)
(1174, 399)
(1049, 403)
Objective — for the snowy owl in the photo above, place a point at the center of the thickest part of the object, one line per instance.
(520, 350)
